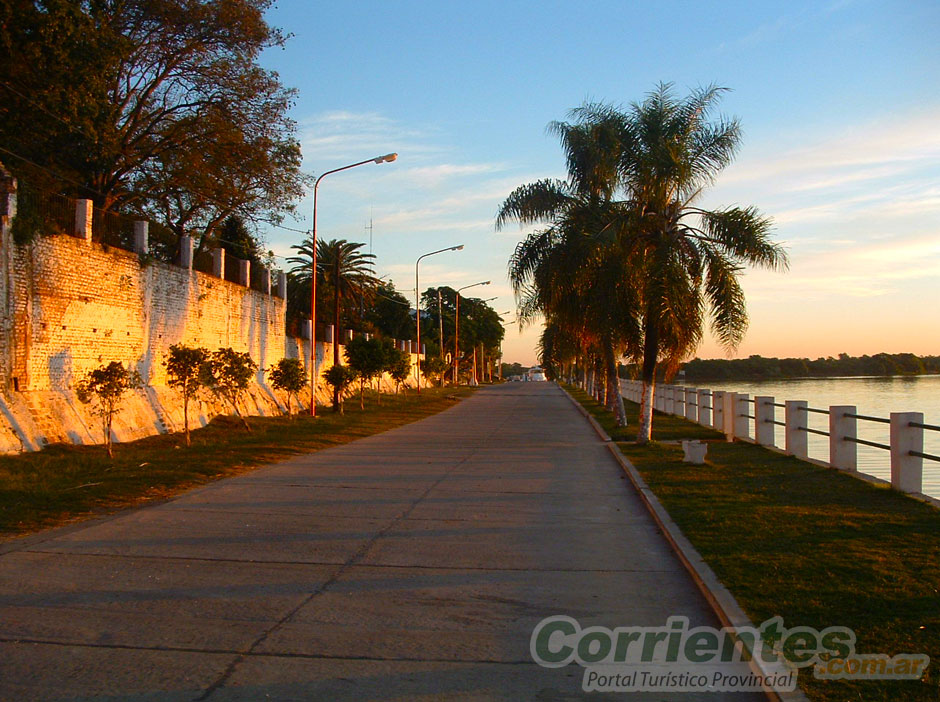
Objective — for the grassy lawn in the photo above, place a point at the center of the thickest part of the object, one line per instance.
(65, 483)
(810, 544)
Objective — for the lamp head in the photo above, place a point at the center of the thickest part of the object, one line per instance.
(387, 158)
(458, 248)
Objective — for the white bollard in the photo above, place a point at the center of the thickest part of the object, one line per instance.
(843, 452)
(694, 452)
(797, 417)
(691, 404)
(704, 407)
(742, 408)
(907, 471)
(765, 414)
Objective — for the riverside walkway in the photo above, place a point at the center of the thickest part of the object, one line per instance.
(411, 565)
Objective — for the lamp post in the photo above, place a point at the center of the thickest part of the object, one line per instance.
(457, 330)
(506, 324)
(387, 158)
(418, 309)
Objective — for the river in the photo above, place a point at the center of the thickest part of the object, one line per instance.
(876, 397)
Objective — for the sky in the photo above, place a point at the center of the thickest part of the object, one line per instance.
(839, 103)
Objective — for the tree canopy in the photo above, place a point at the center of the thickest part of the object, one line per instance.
(156, 108)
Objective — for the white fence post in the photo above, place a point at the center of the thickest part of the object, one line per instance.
(244, 272)
(843, 451)
(728, 425)
(218, 263)
(142, 237)
(186, 252)
(704, 407)
(718, 410)
(907, 471)
(796, 444)
(765, 415)
(691, 404)
(678, 408)
(742, 408)
(84, 214)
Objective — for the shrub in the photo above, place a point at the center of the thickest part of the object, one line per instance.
(107, 384)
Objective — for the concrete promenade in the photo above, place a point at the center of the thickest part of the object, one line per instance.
(411, 565)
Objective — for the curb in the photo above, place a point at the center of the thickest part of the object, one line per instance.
(719, 598)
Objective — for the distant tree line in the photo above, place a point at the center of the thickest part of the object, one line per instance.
(761, 368)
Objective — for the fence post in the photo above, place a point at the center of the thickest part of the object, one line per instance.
(282, 285)
(84, 210)
(186, 252)
(244, 273)
(678, 408)
(218, 263)
(718, 410)
(907, 471)
(142, 237)
(729, 403)
(266, 281)
(765, 414)
(329, 333)
(307, 330)
(843, 453)
(668, 399)
(796, 444)
(741, 411)
(691, 404)
(704, 411)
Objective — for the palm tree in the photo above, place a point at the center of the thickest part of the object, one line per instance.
(343, 270)
(686, 258)
(567, 272)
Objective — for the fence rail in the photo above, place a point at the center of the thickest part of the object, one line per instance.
(729, 413)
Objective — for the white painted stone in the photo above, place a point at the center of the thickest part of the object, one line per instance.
(694, 452)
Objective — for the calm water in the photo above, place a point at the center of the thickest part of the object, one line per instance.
(875, 397)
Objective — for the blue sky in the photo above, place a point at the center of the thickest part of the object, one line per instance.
(840, 104)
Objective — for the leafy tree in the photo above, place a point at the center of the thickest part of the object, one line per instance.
(432, 366)
(399, 366)
(368, 358)
(184, 371)
(238, 241)
(153, 107)
(290, 376)
(228, 374)
(339, 378)
(389, 314)
(107, 384)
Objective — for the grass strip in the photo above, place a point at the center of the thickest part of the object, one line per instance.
(811, 544)
(65, 483)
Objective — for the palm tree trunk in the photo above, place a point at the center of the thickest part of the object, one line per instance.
(614, 396)
(650, 351)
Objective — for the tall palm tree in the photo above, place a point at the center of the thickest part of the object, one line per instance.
(345, 271)
(686, 258)
(563, 271)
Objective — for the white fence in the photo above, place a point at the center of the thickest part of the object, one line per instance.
(739, 416)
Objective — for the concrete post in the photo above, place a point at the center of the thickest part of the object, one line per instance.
(691, 404)
(679, 406)
(84, 210)
(728, 423)
(742, 408)
(329, 334)
(306, 331)
(907, 471)
(142, 237)
(796, 419)
(704, 408)
(349, 335)
(186, 252)
(718, 410)
(218, 263)
(666, 391)
(282, 285)
(843, 453)
(244, 273)
(764, 420)
(266, 281)
(368, 336)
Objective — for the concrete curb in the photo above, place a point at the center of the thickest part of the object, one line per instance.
(719, 598)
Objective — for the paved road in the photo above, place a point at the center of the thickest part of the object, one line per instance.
(410, 565)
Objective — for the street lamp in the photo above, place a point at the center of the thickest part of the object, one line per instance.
(505, 324)
(418, 309)
(457, 330)
(387, 158)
